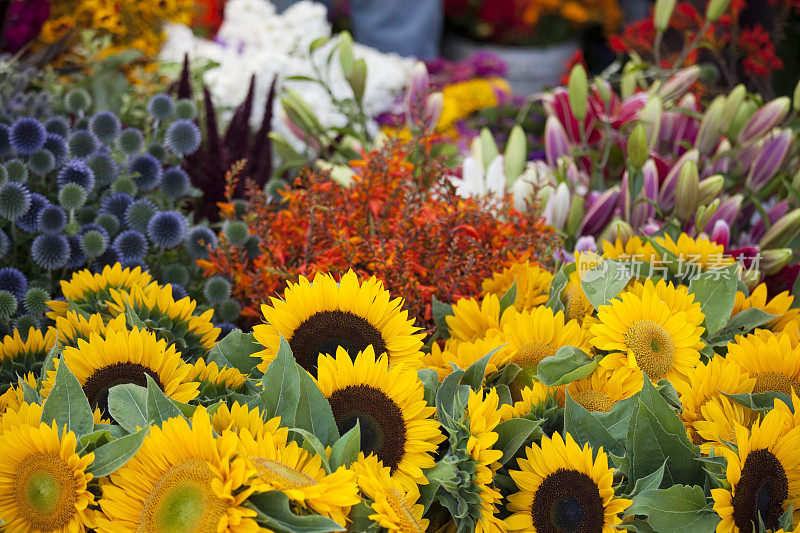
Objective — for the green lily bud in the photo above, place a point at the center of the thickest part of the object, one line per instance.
(772, 261)
(662, 13)
(515, 154)
(796, 97)
(704, 213)
(710, 188)
(630, 78)
(488, 148)
(346, 59)
(733, 102)
(602, 89)
(750, 278)
(651, 118)
(687, 190)
(576, 213)
(617, 229)
(783, 231)
(358, 79)
(637, 147)
(578, 88)
(716, 8)
(711, 126)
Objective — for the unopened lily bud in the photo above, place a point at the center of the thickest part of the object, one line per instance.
(576, 211)
(416, 90)
(772, 261)
(578, 88)
(299, 132)
(721, 158)
(637, 147)
(765, 119)
(666, 196)
(522, 195)
(796, 181)
(599, 213)
(432, 111)
(721, 234)
(515, 154)
(618, 230)
(556, 144)
(740, 118)
(557, 209)
(346, 58)
(602, 88)
(300, 112)
(769, 161)
(704, 214)
(751, 278)
(488, 147)
(783, 231)
(796, 97)
(651, 118)
(662, 13)
(687, 191)
(716, 8)
(728, 210)
(710, 188)
(733, 102)
(630, 78)
(679, 83)
(711, 126)
(358, 79)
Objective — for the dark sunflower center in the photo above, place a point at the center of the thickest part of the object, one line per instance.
(568, 501)
(383, 430)
(97, 386)
(322, 332)
(762, 489)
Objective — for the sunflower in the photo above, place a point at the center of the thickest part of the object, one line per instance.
(317, 318)
(124, 357)
(285, 466)
(780, 306)
(18, 356)
(602, 389)
(763, 475)
(699, 253)
(45, 480)
(634, 249)
(181, 466)
(716, 427)
(463, 354)
(644, 332)
(472, 320)
(576, 305)
(193, 335)
(561, 487)
(238, 418)
(770, 359)
(389, 404)
(89, 292)
(26, 414)
(677, 297)
(14, 396)
(73, 326)
(394, 507)
(530, 398)
(533, 284)
(209, 374)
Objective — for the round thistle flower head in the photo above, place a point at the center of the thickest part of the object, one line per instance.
(105, 125)
(274, 186)
(15, 199)
(52, 219)
(76, 257)
(104, 168)
(161, 106)
(3, 174)
(131, 141)
(199, 240)
(86, 215)
(30, 220)
(16, 171)
(5, 244)
(236, 232)
(27, 135)
(13, 281)
(139, 213)
(227, 311)
(158, 151)
(116, 204)
(72, 196)
(239, 207)
(81, 124)
(108, 222)
(175, 274)
(8, 304)
(24, 323)
(178, 292)
(131, 246)
(57, 125)
(217, 290)
(185, 109)
(148, 169)
(252, 246)
(56, 145)
(78, 172)
(124, 184)
(93, 243)
(50, 251)
(5, 141)
(42, 162)
(83, 143)
(167, 229)
(183, 137)
(224, 329)
(175, 183)
(35, 301)
(77, 100)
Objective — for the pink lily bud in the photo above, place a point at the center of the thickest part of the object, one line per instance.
(432, 111)
(745, 158)
(773, 214)
(768, 162)
(679, 83)
(556, 144)
(728, 210)
(644, 210)
(415, 92)
(599, 213)
(686, 126)
(652, 226)
(765, 119)
(722, 158)
(666, 197)
(721, 233)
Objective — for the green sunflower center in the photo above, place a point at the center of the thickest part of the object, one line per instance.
(100, 382)
(381, 422)
(324, 331)
(280, 474)
(45, 492)
(568, 501)
(652, 347)
(761, 490)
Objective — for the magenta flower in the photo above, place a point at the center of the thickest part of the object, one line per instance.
(23, 22)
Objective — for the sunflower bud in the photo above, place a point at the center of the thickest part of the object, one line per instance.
(765, 119)
(637, 147)
(662, 13)
(783, 231)
(687, 190)
(578, 89)
(710, 188)
(721, 234)
(772, 261)
(716, 8)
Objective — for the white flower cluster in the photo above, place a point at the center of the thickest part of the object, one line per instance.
(255, 39)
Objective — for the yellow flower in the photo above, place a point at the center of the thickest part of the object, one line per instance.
(602, 389)
(239, 418)
(770, 359)
(530, 397)
(471, 320)
(634, 249)
(74, 326)
(20, 356)
(14, 396)
(461, 99)
(697, 254)
(780, 306)
(463, 354)
(533, 284)
(211, 374)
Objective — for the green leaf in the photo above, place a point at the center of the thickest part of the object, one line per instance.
(605, 281)
(430, 380)
(451, 398)
(560, 281)
(314, 413)
(281, 386)
(476, 371)
(275, 513)
(49, 361)
(67, 404)
(568, 364)
(29, 394)
(762, 402)
(235, 350)
(512, 434)
(346, 449)
(650, 482)
(678, 508)
(95, 439)
(127, 405)
(312, 444)
(739, 324)
(159, 407)
(133, 318)
(109, 457)
(439, 311)
(716, 290)
(608, 430)
(508, 298)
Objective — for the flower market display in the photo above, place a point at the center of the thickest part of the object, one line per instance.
(255, 276)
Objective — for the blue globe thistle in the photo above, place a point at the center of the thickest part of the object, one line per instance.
(167, 229)
(175, 183)
(252, 247)
(161, 106)
(92, 226)
(109, 257)
(76, 258)
(35, 301)
(13, 281)
(139, 213)
(30, 220)
(24, 323)
(158, 151)
(8, 304)
(57, 125)
(216, 290)
(109, 222)
(83, 143)
(78, 172)
(27, 135)
(41, 162)
(50, 250)
(148, 169)
(131, 141)
(224, 329)
(72, 197)
(5, 244)
(104, 168)
(183, 137)
(124, 184)
(5, 141)
(185, 109)
(81, 124)
(15, 199)
(105, 125)
(77, 100)
(16, 170)
(274, 186)
(178, 292)
(175, 273)
(116, 204)
(86, 215)
(131, 246)
(236, 232)
(52, 219)
(199, 240)
(56, 145)
(3, 174)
